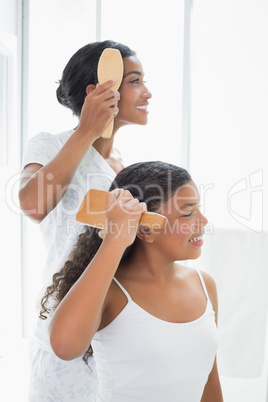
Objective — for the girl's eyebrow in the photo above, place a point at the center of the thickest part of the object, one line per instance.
(132, 72)
(189, 204)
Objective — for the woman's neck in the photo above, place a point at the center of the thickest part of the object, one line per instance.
(109, 153)
(104, 146)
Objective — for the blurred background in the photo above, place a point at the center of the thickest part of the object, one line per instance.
(206, 65)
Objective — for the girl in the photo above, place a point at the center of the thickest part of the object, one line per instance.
(58, 171)
(150, 320)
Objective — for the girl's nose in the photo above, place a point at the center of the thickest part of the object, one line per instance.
(203, 220)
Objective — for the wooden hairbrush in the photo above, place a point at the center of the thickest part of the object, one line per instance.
(110, 67)
(92, 212)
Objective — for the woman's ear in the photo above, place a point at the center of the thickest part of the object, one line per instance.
(90, 88)
(145, 234)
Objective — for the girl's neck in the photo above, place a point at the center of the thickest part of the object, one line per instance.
(144, 266)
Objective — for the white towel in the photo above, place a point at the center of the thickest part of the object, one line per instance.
(238, 261)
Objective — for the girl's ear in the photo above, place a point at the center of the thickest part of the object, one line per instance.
(145, 234)
(90, 88)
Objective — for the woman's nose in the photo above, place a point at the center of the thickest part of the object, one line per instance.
(147, 94)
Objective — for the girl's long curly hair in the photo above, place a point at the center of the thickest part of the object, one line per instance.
(151, 182)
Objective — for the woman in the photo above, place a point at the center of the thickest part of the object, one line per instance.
(57, 172)
(150, 320)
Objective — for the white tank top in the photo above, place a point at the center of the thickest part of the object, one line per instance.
(141, 358)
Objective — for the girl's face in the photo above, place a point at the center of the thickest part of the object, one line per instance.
(134, 95)
(182, 237)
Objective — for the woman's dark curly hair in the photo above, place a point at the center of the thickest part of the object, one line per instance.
(151, 182)
(81, 71)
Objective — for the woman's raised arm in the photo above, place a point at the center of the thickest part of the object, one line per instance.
(42, 187)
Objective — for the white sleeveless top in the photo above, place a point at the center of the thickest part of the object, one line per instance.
(141, 358)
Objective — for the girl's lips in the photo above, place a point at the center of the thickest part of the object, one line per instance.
(197, 241)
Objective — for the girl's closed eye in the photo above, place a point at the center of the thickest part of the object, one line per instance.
(190, 213)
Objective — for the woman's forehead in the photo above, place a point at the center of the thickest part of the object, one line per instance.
(132, 64)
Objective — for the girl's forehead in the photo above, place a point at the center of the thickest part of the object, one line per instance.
(185, 196)
(188, 190)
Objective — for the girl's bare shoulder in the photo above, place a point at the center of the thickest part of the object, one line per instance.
(190, 273)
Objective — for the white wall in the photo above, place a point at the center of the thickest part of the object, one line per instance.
(8, 16)
(229, 103)
(228, 157)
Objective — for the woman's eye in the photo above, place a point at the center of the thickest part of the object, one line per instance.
(136, 81)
